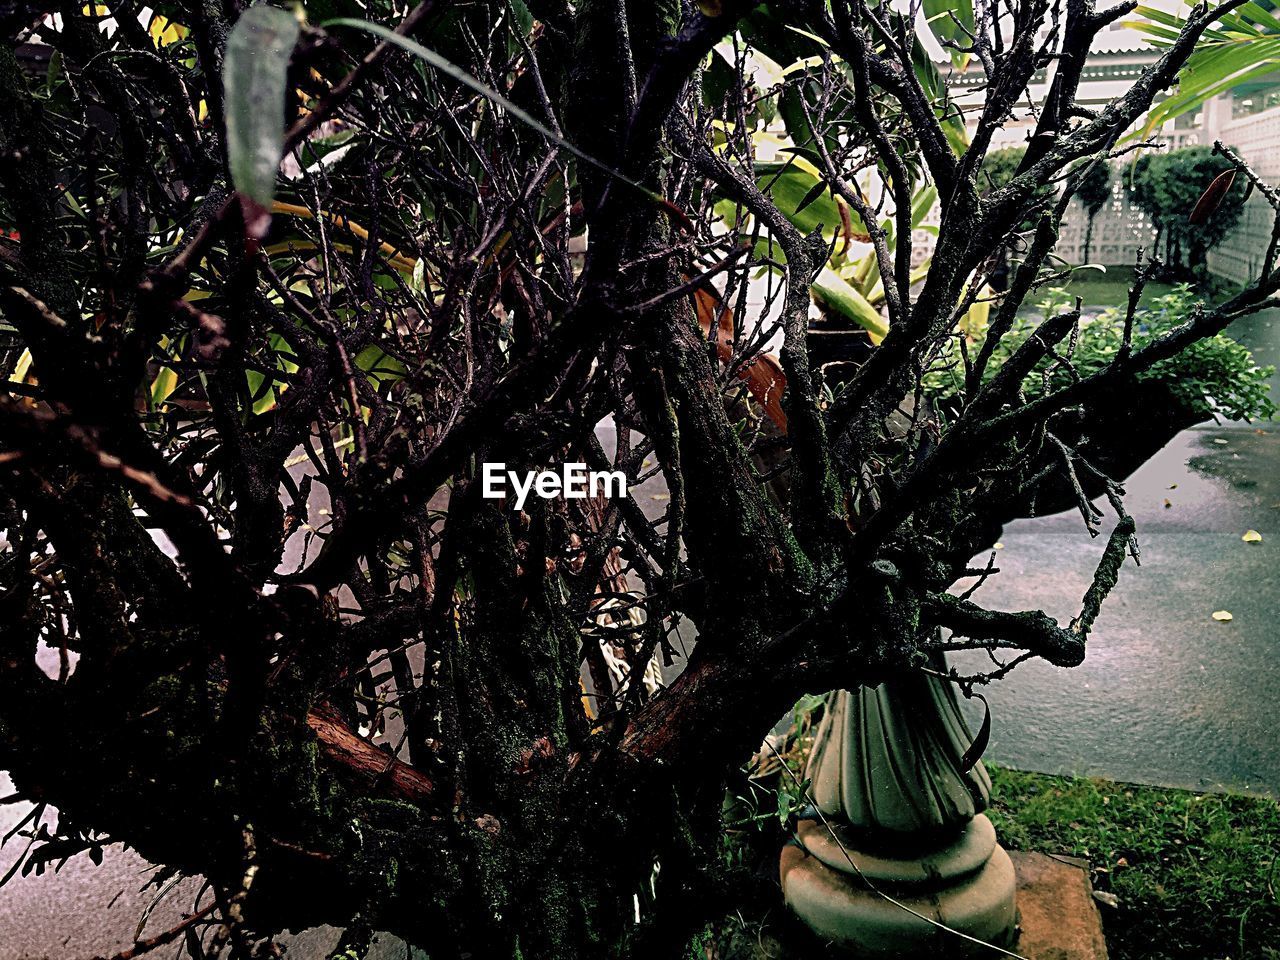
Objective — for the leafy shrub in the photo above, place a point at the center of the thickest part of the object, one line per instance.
(1166, 187)
(1215, 376)
(1095, 188)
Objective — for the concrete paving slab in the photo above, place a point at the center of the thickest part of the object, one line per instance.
(1057, 917)
(1166, 695)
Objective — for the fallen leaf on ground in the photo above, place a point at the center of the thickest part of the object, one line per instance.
(1222, 616)
(1252, 536)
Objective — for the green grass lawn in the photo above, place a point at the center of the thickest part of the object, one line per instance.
(1196, 874)
(1108, 289)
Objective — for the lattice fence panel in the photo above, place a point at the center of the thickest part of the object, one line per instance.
(1120, 228)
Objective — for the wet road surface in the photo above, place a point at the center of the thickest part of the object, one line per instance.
(1166, 695)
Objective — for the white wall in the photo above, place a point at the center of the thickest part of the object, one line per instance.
(1257, 138)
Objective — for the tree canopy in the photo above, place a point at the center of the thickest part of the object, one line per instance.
(1095, 188)
(273, 293)
(1166, 186)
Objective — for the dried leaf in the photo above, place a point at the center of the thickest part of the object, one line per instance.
(1252, 536)
(1212, 198)
(763, 375)
(1222, 616)
(979, 745)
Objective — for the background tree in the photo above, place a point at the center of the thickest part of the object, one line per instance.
(1001, 166)
(1166, 186)
(1094, 192)
(300, 653)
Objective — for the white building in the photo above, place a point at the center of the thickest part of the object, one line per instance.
(1246, 117)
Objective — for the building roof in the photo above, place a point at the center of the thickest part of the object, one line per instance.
(1115, 41)
(1121, 39)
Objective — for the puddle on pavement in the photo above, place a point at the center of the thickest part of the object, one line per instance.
(1245, 459)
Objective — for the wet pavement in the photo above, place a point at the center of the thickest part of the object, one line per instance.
(85, 911)
(1167, 695)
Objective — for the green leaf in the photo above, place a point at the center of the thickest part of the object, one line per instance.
(811, 36)
(265, 391)
(320, 153)
(801, 196)
(1153, 14)
(922, 203)
(524, 19)
(949, 20)
(163, 385)
(1196, 89)
(814, 193)
(254, 79)
(835, 293)
(1246, 46)
(381, 368)
(762, 69)
(796, 120)
(1260, 15)
(935, 88)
